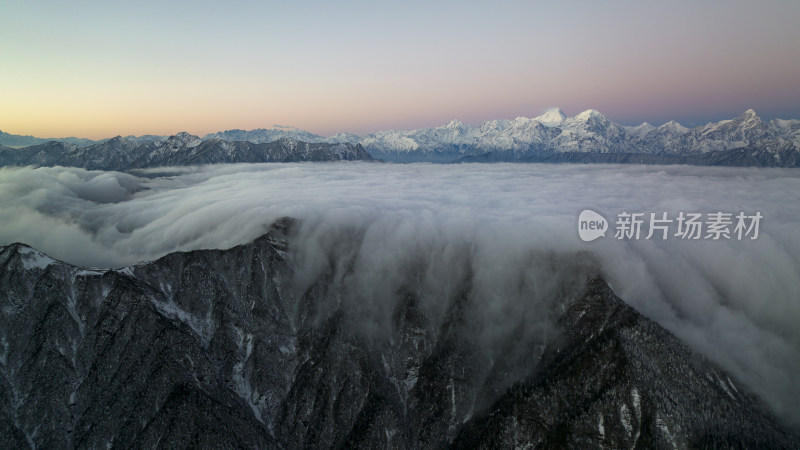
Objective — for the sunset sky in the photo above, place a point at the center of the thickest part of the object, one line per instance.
(98, 68)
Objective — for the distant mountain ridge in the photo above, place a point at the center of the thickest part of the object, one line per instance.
(554, 137)
(18, 141)
(179, 150)
(777, 143)
(266, 135)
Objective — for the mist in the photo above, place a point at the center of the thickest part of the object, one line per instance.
(497, 225)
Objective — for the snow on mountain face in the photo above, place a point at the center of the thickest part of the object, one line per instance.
(788, 129)
(639, 131)
(340, 138)
(520, 139)
(262, 135)
(549, 132)
(589, 114)
(180, 140)
(182, 149)
(33, 259)
(390, 141)
(587, 132)
(553, 116)
(673, 128)
(785, 126)
(552, 131)
(736, 133)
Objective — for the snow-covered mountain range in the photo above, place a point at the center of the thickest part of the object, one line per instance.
(551, 137)
(554, 132)
(180, 150)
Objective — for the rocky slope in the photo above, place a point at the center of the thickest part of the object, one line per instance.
(223, 348)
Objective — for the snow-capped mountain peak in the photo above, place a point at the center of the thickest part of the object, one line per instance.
(750, 119)
(641, 130)
(32, 258)
(455, 124)
(553, 116)
(182, 140)
(589, 114)
(674, 127)
(344, 137)
(493, 126)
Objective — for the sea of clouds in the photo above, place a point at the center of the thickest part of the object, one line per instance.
(738, 302)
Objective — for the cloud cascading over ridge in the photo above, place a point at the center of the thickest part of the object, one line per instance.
(735, 301)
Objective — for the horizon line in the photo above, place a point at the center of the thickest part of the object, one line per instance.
(277, 127)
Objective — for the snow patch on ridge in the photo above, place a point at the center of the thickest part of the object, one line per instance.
(32, 259)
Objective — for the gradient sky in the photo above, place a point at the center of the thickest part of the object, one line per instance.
(101, 68)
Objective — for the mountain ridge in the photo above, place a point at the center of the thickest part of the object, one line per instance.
(776, 143)
(181, 149)
(212, 348)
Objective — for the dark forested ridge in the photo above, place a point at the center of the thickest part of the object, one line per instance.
(217, 348)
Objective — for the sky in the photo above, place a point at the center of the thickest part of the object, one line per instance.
(97, 69)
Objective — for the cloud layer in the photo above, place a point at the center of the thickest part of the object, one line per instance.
(735, 301)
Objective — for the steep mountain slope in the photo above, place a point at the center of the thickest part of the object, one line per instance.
(220, 348)
(619, 380)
